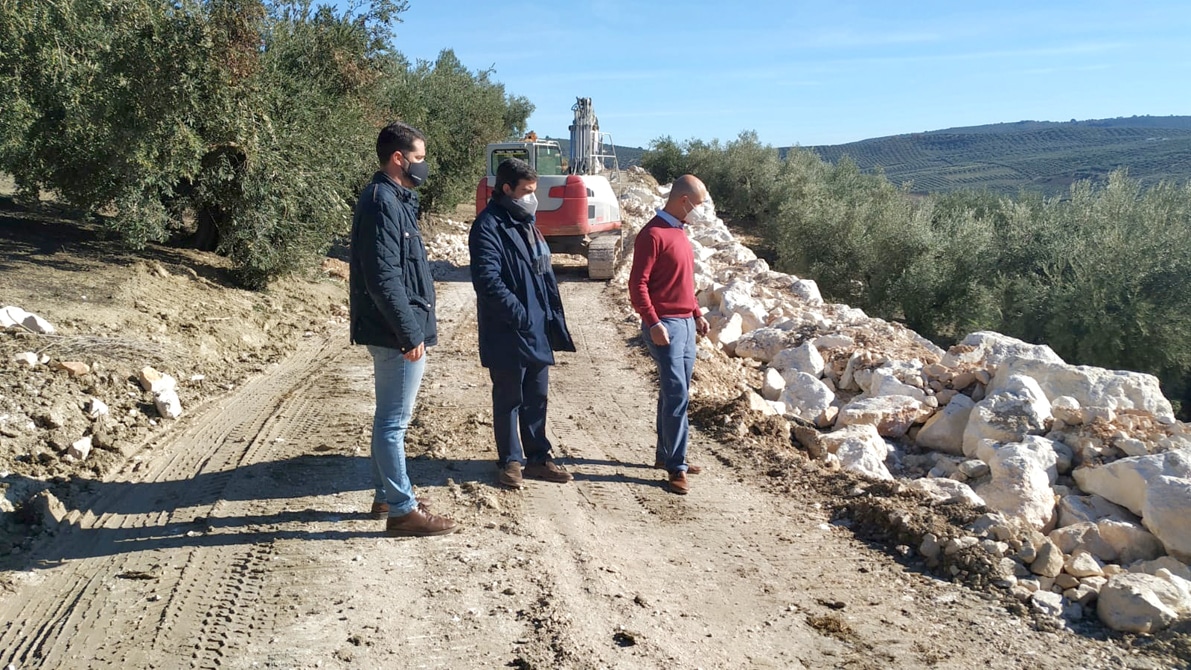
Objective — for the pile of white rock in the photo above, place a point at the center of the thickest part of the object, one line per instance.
(1085, 472)
(449, 245)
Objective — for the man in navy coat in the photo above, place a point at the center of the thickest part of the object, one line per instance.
(521, 323)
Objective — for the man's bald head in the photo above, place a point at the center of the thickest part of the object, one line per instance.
(689, 186)
(687, 193)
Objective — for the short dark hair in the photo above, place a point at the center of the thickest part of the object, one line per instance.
(396, 136)
(513, 171)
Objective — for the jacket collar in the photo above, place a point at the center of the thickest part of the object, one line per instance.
(511, 229)
(402, 193)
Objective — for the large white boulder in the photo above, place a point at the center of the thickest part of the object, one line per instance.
(944, 431)
(711, 236)
(736, 254)
(1083, 536)
(1162, 565)
(1124, 481)
(834, 341)
(988, 349)
(860, 449)
(1090, 508)
(892, 415)
(1140, 603)
(1042, 450)
(857, 369)
(830, 442)
(806, 397)
(737, 299)
(946, 490)
(1129, 540)
(726, 331)
(1019, 409)
(1019, 487)
(774, 384)
(763, 344)
(805, 358)
(808, 290)
(851, 316)
(885, 382)
(1167, 514)
(1083, 564)
(1091, 387)
(80, 448)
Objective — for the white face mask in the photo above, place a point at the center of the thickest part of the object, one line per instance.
(700, 216)
(530, 202)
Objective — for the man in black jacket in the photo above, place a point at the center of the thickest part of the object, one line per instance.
(521, 323)
(392, 312)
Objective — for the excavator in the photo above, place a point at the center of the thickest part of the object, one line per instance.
(578, 213)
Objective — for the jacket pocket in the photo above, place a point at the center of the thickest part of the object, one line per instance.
(417, 271)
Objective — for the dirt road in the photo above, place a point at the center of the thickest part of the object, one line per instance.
(237, 541)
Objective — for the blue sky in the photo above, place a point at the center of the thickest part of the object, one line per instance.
(823, 72)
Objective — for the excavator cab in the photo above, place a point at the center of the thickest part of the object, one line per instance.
(545, 157)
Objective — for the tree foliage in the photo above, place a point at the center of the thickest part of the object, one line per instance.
(255, 120)
(461, 113)
(1103, 276)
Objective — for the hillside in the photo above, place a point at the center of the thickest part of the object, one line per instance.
(1038, 156)
(625, 156)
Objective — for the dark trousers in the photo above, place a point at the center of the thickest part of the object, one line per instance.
(519, 413)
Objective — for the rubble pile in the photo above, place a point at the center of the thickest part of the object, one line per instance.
(1084, 473)
(68, 402)
(446, 246)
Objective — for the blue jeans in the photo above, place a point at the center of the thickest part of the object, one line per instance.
(519, 413)
(397, 382)
(676, 363)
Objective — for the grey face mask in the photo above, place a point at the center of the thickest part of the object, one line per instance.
(523, 208)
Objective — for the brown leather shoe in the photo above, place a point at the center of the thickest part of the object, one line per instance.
(678, 484)
(510, 476)
(690, 469)
(380, 510)
(419, 523)
(548, 471)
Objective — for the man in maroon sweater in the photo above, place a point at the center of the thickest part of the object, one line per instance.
(662, 290)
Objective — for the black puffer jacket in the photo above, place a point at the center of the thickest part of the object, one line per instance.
(392, 290)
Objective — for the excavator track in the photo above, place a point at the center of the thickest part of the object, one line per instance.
(602, 254)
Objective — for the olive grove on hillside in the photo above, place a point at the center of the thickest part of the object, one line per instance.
(1103, 275)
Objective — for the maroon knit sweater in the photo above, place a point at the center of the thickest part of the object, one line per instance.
(662, 281)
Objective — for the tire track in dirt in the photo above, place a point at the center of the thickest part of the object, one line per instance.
(187, 486)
